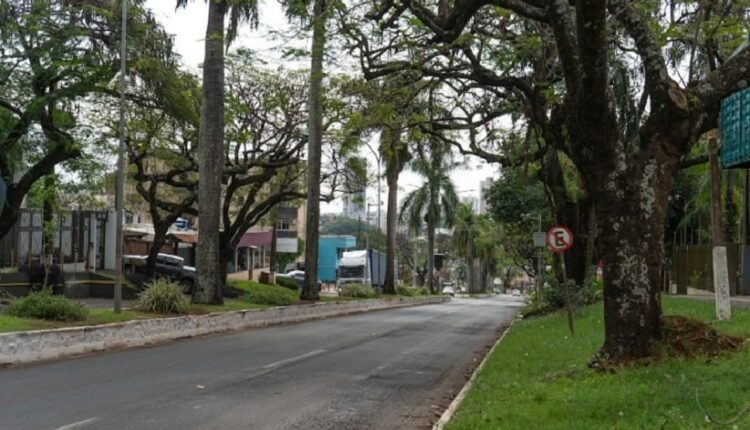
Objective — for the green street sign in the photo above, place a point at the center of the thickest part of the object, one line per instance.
(735, 130)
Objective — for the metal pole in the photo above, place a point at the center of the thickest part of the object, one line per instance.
(379, 231)
(120, 163)
(539, 282)
(367, 245)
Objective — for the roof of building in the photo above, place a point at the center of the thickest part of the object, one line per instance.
(255, 238)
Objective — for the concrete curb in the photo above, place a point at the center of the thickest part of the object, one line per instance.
(448, 414)
(31, 346)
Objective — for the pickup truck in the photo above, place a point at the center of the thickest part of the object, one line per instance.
(169, 266)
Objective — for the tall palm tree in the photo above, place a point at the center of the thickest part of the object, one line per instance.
(310, 289)
(435, 202)
(487, 245)
(211, 142)
(464, 236)
(395, 152)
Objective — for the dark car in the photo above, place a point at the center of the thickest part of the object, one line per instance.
(168, 266)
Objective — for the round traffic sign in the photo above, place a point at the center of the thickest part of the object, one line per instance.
(559, 238)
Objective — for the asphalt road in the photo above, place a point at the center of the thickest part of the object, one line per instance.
(387, 369)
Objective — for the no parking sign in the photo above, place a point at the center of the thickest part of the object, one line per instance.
(559, 238)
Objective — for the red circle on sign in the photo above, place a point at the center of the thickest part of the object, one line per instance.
(559, 238)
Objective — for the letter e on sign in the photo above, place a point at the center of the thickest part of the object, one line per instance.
(559, 238)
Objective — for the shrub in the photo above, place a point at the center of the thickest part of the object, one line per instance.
(424, 291)
(269, 295)
(552, 297)
(357, 291)
(286, 282)
(408, 291)
(163, 296)
(43, 305)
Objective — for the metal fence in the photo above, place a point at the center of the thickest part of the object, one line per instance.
(77, 237)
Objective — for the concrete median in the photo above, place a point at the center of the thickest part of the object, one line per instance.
(31, 346)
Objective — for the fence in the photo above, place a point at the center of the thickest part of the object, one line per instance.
(693, 268)
(79, 238)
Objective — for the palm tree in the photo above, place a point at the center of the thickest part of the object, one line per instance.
(464, 236)
(211, 142)
(395, 152)
(310, 289)
(434, 202)
(487, 245)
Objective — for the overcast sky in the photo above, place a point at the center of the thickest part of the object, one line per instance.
(188, 27)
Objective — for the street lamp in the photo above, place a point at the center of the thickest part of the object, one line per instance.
(378, 159)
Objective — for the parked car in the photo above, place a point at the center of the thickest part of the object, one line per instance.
(516, 292)
(449, 291)
(297, 276)
(169, 266)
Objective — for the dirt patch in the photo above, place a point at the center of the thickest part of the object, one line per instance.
(689, 338)
(682, 337)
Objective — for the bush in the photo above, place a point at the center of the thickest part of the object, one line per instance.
(424, 291)
(286, 282)
(269, 295)
(43, 305)
(409, 291)
(163, 296)
(357, 291)
(552, 298)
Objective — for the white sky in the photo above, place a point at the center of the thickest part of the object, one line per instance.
(188, 27)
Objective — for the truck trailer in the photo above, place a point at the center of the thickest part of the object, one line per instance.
(364, 266)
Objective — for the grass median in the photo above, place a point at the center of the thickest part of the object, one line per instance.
(537, 378)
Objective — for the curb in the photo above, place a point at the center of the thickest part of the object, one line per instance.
(448, 414)
(37, 345)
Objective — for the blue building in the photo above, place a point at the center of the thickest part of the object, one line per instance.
(330, 249)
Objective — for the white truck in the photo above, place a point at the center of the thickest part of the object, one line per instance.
(365, 266)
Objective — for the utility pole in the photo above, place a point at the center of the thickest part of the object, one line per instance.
(721, 271)
(119, 198)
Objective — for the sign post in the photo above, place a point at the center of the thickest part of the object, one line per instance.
(540, 241)
(559, 240)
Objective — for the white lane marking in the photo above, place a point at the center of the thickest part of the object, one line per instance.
(78, 424)
(297, 358)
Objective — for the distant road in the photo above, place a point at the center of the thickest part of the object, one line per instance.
(380, 370)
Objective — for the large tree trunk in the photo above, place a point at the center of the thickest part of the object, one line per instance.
(310, 289)
(210, 161)
(160, 238)
(392, 224)
(392, 170)
(431, 258)
(631, 246)
(570, 213)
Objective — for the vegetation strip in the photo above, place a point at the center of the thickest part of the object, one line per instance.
(538, 377)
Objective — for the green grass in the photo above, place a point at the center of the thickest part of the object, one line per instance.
(256, 296)
(537, 378)
(9, 323)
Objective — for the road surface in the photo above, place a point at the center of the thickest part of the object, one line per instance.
(387, 369)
